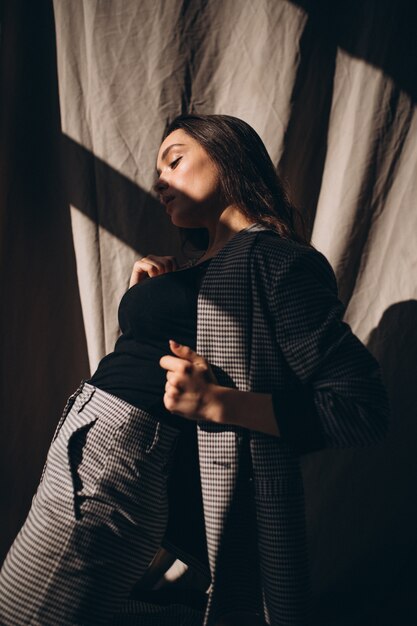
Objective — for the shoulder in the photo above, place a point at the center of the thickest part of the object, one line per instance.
(278, 251)
(277, 258)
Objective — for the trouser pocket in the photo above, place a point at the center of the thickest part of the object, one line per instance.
(103, 447)
(60, 479)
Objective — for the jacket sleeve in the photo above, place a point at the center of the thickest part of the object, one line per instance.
(341, 400)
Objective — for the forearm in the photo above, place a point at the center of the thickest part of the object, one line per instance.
(248, 409)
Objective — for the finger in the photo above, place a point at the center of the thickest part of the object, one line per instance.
(144, 264)
(172, 391)
(174, 379)
(151, 264)
(196, 359)
(189, 354)
(175, 364)
(170, 264)
(162, 263)
(171, 404)
(153, 268)
(138, 274)
(141, 269)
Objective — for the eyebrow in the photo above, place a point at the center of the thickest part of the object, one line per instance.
(165, 152)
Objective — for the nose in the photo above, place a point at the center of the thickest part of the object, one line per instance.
(160, 185)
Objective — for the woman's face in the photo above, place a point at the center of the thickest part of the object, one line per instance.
(188, 181)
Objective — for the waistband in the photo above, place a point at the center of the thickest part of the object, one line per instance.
(115, 407)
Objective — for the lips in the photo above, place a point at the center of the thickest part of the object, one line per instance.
(167, 199)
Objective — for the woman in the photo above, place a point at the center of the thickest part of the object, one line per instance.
(261, 360)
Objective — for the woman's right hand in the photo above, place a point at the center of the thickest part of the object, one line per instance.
(152, 265)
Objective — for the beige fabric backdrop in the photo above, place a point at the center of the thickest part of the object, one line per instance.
(332, 93)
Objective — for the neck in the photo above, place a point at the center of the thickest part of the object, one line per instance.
(230, 222)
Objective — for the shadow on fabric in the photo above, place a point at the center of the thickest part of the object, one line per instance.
(372, 490)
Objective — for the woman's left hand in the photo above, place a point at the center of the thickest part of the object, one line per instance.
(193, 392)
(190, 382)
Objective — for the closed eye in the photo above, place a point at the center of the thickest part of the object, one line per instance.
(174, 163)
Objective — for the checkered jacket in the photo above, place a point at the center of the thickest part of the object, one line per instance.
(269, 320)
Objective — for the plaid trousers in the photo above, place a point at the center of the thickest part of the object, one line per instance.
(97, 519)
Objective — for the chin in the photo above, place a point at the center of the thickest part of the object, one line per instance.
(183, 222)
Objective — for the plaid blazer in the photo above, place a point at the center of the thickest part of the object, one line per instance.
(269, 320)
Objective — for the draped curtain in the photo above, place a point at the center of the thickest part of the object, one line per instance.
(331, 87)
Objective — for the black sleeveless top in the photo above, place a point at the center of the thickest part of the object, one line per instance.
(150, 313)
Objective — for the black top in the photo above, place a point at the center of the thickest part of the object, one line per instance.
(150, 313)
(165, 307)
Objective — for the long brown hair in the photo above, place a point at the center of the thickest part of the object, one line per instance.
(248, 177)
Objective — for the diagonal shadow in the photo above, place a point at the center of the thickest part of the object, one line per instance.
(380, 32)
(123, 208)
(313, 85)
(113, 201)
